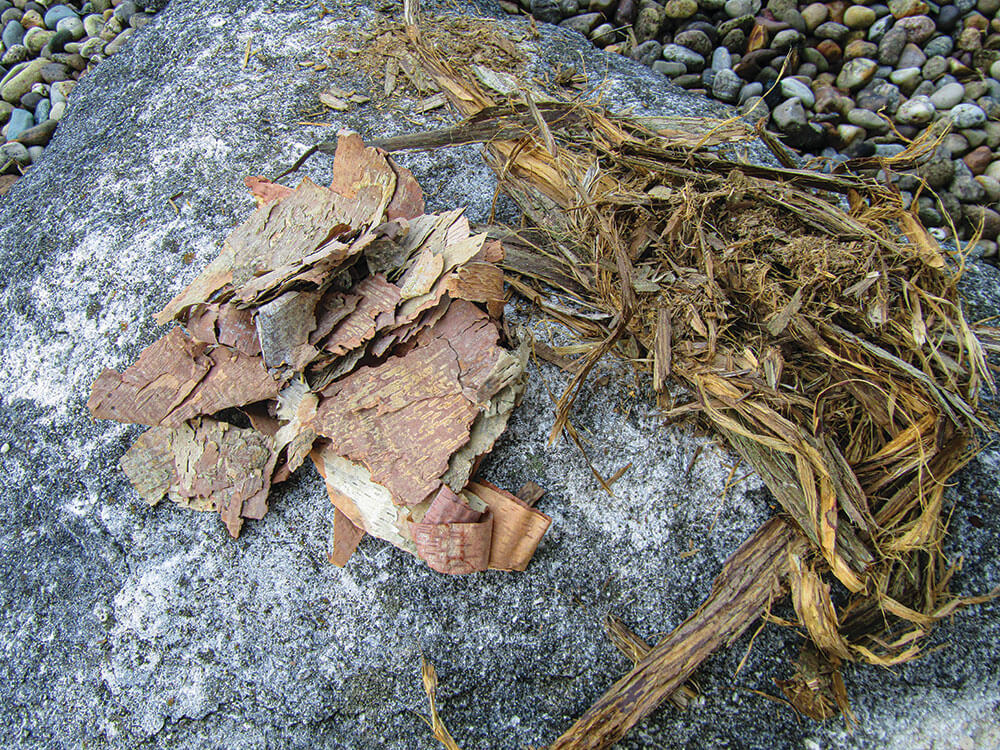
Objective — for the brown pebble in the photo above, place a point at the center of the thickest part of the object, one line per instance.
(978, 160)
(39, 135)
(830, 50)
(837, 9)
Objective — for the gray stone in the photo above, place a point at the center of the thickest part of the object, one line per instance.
(786, 38)
(755, 108)
(911, 57)
(94, 24)
(751, 90)
(891, 46)
(906, 78)
(722, 59)
(21, 83)
(649, 23)
(880, 28)
(17, 53)
(967, 116)
(582, 24)
(13, 33)
(792, 87)
(670, 69)
(939, 170)
(948, 95)
(739, 8)
(548, 11)
(814, 14)
(856, 73)
(934, 68)
(928, 213)
(939, 47)
(17, 152)
(695, 39)
(868, 120)
(20, 120)
(56, 13)
(128, 626)
(648, 52)
(602, 36)
(916, 111)
(676, 53)
(727, 85)
(859, 17)
(964, 186)
(832, 30)
(35, 153)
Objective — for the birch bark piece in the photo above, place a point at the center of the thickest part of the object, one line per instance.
(517, 527)
(147, 392)
(204, 465)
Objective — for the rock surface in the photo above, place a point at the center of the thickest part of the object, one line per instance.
(125, 626)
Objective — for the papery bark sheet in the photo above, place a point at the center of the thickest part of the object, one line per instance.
(346, 325)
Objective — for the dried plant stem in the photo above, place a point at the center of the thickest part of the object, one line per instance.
(751, 578)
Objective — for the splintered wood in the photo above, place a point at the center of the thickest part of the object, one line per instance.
(343, 324)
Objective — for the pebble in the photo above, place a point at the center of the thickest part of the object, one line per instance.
(941, 46)
(737, 8)
(792, 87)
(986, 217)
(20, 120)
(938, 171)
(694, 39)
(978, 159)
(722, 59)
(962, 115)
(676, 53)
(832, 30)
(680, 9)
(891, 46)
(964, 186)
(915, 111)
(906, 78)
(727, 85)
(856, 73)
(907, 8)
(859, 17)
(13, 33)
(16, 151)
(934, 68)
(57, 13)
(948, 96)
(583, 24)
(991, 186)
(814, 14)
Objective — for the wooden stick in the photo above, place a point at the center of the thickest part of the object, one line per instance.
(752, 577)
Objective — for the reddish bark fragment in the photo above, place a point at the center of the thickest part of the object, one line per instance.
(234, 380)
(223, 324)
(517, 527)
(447, 507)
(333, 307)
(265, 191)
(377, 297)
(346, 538)
(148, 391)
(455, 548)
(408, 199)
(204, 465)
(285, 232)
(363, 176)
(421, 404)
